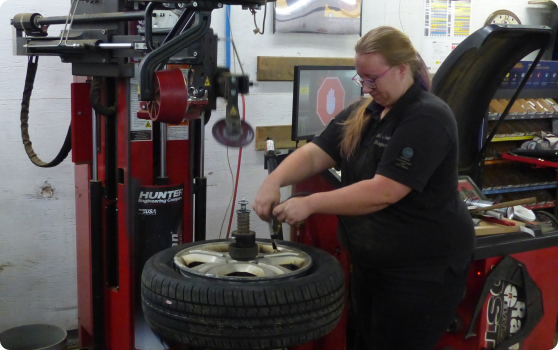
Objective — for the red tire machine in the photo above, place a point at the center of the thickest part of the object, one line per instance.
(140, 102)
(511, 301)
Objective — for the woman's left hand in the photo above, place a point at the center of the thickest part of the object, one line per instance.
(293, 210)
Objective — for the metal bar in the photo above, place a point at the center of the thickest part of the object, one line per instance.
(94, 18)
(163, 150)
(536, 161)
(201, 209)
(111, 213)
(95, 167)
(67, 31)
(202, 143)
(111, 143)
(201, 188)
(97, 284)
(112, 46)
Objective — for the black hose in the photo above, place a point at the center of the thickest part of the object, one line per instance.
(149, 26)
(548, 216)
(25, 102)
(95, 99)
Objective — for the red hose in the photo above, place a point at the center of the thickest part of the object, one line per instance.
(237, 170)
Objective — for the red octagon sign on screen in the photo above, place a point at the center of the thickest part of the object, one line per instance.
(331, 99)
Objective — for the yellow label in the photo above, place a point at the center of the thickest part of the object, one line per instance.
(207, 83)
(234, 111)
(148, 125)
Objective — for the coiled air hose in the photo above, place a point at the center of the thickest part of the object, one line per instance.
(66, 147)
(95, 99)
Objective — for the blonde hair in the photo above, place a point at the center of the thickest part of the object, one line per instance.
(396, 49)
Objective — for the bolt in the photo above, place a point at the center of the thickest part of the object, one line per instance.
(233, 80)
(233, 92)
(104, 32)
(243, 203)
(104, 60)
(219, 5)
(79, 113)
(181, 5)
(195, 4)
(143, 107)
(142, 38)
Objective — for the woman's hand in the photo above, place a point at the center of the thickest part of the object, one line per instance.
(293, 210)
(267, 198)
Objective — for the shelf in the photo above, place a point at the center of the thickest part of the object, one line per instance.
(540, 206)
(519, 189)
(514, 138)
(526, 93)
(493, 117)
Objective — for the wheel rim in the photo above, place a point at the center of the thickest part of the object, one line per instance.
(213, 260)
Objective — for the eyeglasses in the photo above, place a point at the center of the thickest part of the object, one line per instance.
(368, 83)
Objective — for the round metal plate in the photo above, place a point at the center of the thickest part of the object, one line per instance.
(245, 137)
(213, 260)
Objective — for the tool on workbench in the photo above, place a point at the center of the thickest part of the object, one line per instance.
(502, 205)
(497, 221)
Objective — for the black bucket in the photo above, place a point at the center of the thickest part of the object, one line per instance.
(34, 337)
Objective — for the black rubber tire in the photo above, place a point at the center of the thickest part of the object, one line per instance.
(219, 314)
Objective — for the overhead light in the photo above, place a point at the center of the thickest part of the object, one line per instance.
(294, 7)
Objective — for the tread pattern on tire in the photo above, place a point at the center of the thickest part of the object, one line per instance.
(220, 314)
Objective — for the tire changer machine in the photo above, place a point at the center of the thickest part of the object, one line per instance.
(141, 97)
(139, 104)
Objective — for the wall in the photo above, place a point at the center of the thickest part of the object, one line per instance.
(37, 233)
(37, 230)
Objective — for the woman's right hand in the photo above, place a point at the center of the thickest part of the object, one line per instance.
(267, 198)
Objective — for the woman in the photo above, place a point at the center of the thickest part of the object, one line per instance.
(400, 216)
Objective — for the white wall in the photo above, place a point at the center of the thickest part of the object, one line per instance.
(37, 234)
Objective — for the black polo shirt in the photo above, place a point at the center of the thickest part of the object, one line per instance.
(416, 145)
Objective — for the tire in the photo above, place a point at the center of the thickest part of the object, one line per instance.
(220, 314)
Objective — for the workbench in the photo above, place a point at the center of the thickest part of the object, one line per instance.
(538, 254)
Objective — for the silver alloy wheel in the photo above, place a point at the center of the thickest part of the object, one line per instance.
(213, 260)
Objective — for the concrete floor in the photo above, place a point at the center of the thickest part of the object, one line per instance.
(73, 340)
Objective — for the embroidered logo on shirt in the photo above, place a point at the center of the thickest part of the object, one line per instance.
(381, 140)
(408, 152)
(404, 160)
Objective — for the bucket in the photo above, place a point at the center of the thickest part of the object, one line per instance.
(34, 337)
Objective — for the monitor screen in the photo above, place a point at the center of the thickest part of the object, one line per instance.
(320, 93)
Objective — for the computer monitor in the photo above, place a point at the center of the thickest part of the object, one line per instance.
(320, 93)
